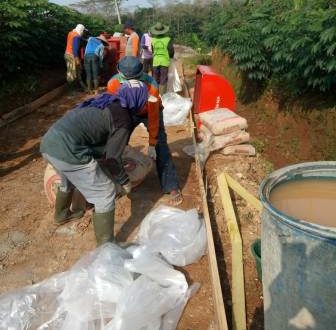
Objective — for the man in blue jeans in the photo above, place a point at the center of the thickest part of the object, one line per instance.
(98, 128)
(93, 61)
(131, 73)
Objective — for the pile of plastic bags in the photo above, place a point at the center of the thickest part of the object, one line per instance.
(114, 288)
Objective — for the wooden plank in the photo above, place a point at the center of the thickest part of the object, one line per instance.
(22, 111)
(238, 291)
(214, 274)
(212, 259)
(241, 191)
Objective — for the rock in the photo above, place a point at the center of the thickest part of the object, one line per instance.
(17, 237)
(67, 231)
(4, 248)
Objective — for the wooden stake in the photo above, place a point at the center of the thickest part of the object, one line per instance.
(241, 191)
(238, 291)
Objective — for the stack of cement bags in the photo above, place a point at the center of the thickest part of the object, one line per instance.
(223, 130)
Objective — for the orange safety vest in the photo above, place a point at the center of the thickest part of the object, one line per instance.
(69, 46)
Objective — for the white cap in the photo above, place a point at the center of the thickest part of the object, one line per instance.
(80, 29)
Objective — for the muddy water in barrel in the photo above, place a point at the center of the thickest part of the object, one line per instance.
(312, 200)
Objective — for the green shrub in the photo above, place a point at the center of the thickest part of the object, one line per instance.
(291, 43)
(33, 34)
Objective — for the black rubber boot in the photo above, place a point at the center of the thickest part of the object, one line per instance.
(103, 224)
(63, 213)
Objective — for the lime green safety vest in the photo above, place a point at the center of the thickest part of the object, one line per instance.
(160, 51)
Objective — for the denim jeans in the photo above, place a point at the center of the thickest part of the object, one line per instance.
(164, 163)
(160, 74)
(90, 179)
(91, 64)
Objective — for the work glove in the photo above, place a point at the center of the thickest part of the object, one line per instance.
(151, 152)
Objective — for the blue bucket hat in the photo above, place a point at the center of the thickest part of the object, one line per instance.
(130, 67)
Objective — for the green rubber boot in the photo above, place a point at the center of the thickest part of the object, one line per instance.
(103, 224)
(63, 213)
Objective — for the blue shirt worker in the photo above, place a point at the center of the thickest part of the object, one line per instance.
(98, 128)
(93, 61)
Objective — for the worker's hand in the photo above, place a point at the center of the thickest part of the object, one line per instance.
(77, 61)
(126, 188)
(152, 152)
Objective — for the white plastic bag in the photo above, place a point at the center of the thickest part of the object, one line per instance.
(82, 298)
(179, 236)
(222, 121)
(158, 290)
(143, 304)
(116, 289)
(176, 109)
(174, 83)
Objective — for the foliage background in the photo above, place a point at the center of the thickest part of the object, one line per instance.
(33, 34)
(287, 44)
(280, 44)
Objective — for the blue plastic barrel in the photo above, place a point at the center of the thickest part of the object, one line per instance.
(298, 260)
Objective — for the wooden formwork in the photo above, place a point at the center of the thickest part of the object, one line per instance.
(220, 314)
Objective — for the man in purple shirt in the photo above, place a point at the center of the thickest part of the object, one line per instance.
(146, 52)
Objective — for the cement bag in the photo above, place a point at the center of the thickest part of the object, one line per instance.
(176, 109)
(179, 236)
(137, 166)
(242, 149)
(222, 121)
(216, 142)
(174, 83)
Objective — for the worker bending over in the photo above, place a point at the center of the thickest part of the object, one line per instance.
(72, 55)
(130, 72)
(93, 61)
(100, 127)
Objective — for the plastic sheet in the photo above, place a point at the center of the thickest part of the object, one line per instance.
(179, 236)
(82, 298)
(176, 109)
(112, 288)
(174, 83)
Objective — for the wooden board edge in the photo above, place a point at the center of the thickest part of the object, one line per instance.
(212, 259)
(22, 111)
(238, 290)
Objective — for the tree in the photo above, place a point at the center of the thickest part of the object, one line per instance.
(106, 8)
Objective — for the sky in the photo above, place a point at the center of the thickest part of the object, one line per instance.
(127, 4)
